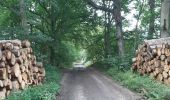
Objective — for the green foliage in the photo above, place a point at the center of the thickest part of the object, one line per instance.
(46, 91)
(147, 87)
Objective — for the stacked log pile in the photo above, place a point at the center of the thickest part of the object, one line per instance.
(153, 58)
(18, 66)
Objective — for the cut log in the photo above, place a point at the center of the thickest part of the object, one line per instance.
(159, 77)
(2, 64)
(39, 64)
(22, 85)
(20, 79)
(16, 52)
(3, 74)
(35, 69)
(19, 68)
(25, 77)
(165, 74)
(9, 85)
(15, 85)
(16, 70)
(1, 84)
(12, 60)
(8, 46)
(19, 60)
(8, 69)
(26, 44)
(8, 92)
(2, 94)
(8, 54)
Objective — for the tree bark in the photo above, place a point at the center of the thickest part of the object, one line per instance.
(23, 17)
(118, 23)
(116, 11)
(152, 19)
(165, 18)
(107, 32)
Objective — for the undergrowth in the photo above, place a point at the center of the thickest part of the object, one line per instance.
(148, 88)
(46, 91)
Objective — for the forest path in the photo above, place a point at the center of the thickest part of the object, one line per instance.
(90, 84)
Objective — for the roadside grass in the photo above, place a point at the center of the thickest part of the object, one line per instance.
(145, 86)
(46, 91)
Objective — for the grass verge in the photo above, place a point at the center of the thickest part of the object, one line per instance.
(46, 91)
(149, 88)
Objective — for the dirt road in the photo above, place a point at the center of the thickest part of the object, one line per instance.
(92, 85)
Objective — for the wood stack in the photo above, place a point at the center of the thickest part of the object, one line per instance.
(153, 58)
(18, 66)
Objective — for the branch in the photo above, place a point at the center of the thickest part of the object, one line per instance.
(103, 8)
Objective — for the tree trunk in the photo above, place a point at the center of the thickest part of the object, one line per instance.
(152, 19)
(53, 33)
(52, 55)
(118, 22)
(23, 17)
(165, 18)
(107, 33)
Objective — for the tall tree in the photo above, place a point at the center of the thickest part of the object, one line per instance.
(107, 29)
(116, 13)
(23, 19)
(165, 18)
(152, 18)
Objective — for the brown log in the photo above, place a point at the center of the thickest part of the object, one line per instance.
(166, 81)
(8, 54)
(35, 69)
(12, 60)
(9, 76)
(39, 64)
(1, 84)
(19, 60)
(157, 63)
(25, 77)
(5, 82)
(16, 52)
(8, 69)
(169, 73)
(2, 64)
(166, 68)
(20, 79)
(16, 70)
(29, 50)
(23, 68)
(163, 57)
(9, 85)
(1, 54)
(22, 85)
(165, 74)
(159, 77)
(2, 93)
(160, 41)
(8, 46)
(3, 58)
(26, 44)
(163, 51)
(3, 74)
(167, 52)
(17, 48)
(8, 92)
(159, 51)
(15, 85)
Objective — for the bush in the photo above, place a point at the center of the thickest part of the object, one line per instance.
(144, 85)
